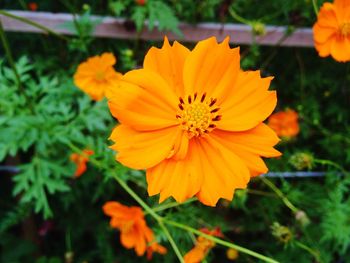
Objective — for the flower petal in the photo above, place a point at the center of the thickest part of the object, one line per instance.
(340, 49)
(224, 172)
(141, 101)
(249, 102)
(211, 68)
(142, 150)
(168, 62)
(178, 178)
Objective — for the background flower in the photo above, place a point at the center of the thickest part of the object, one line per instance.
(332, 30)
(96, 75)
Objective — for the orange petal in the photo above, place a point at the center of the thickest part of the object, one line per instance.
(142, 150)
(340, 49)
(168, 62)
(322, 34)
(141, 109)
(108, 59)
(211, 68)
(250, 102)
(259, 140)
(178, 178)
(224, 172)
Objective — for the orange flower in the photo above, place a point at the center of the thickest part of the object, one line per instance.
(332, 30)
(193, 119)
(32, 6)
(285, 123)
(134, 233)
(202, 247)
(80, 160)
(96, 75)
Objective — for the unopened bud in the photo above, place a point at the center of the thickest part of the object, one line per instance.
(302, 161)
(232, 254)
(259, 28)
(282, 233)
(302, 218)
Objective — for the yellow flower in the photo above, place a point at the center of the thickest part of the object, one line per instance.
(96, 75)
(193, 120)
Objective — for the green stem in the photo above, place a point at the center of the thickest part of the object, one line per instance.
(280, 194)
(334, 164)
(314, 253)
(220, 241)
(34, 24)
(9, 55)
(238, 17)
(314, 4)
(258, 192)
(171, 241)
(172, 204)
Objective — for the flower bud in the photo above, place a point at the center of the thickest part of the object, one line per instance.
(301, 161)
(281, 233)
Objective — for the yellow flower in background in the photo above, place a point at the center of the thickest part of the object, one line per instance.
(96, 75)
(332, 30)
(232, 254)
(193, 120)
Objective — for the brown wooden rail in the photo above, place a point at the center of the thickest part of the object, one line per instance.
(111, 27)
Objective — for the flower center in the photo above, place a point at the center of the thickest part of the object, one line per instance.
(198, 115)
(345, 29)
(100, 76)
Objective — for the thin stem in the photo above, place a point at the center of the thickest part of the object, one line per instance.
(334, 164)
(172, 204)
(314, 4)
(9, 55)
(34, 24)
(258, 192)
(171, 241)
(279, 193)
(220, 241)
(238, 17)
(314, 253)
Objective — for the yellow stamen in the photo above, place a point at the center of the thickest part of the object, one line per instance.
(345, 29)
(100, 76)
(198, 115)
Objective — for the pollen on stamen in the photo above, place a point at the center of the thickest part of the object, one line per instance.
(212, 102)
(195, 96)
(181, 100)
(189, 99)
(212, 126)
(214, 110)
(217, 118)
(203, 97)
(181, 107)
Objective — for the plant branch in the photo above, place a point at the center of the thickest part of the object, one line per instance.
(34, 24)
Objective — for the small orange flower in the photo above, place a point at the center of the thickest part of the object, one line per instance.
(32, 6)
(285, 123)
(96, 75)
(202, 246)
(134, 232)
(332, 30)
(193, 120)
(80, 160)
